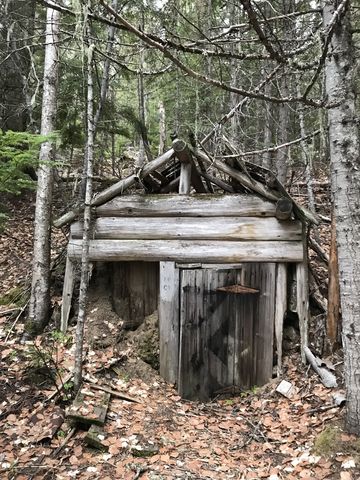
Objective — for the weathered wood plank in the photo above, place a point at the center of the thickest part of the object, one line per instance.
(217, 228)
(196, 205)
(95, 437)
(188, 251)
(193, 359)
(333, 312)
(68, 289)
(169, 321)
(302, 304)
(220, 316)
(88, 408)
(245, 309)
(262, 277)
(280, 311)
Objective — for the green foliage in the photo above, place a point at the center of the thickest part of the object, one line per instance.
(18, 152)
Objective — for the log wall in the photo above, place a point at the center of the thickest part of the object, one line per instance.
(190, 228)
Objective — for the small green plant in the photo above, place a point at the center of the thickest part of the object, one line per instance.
(68, 386)
(61, 337)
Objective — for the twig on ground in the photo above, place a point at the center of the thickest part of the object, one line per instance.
(16, 320)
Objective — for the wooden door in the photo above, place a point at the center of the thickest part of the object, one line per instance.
(226, 334)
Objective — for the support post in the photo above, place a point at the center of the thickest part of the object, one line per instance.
(68, 289)
(333, 312)
(280, 311)
(302, 300)
(169, 321)
(183, 154)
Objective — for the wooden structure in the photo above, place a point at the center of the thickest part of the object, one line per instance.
(222, 266)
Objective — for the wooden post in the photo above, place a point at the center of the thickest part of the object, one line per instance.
(169, 321)
(182, 152)
(333, 314)
(302, 300)
(280, 310)
(67, 293)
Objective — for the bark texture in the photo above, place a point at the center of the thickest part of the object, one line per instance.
(345, 179)
(84, 279)
(17, 23)
(40, 287)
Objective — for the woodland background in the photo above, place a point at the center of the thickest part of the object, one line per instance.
(261, 76)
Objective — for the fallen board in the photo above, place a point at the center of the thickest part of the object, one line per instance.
(89, 408)
(95, 437)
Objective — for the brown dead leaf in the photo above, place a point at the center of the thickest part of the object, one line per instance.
(345, 476)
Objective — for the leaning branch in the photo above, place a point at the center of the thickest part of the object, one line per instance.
(273, 149)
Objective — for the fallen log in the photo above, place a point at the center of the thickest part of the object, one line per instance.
(326, 377)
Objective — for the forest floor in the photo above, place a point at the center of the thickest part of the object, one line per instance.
(257, 434)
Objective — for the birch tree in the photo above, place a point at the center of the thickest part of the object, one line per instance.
(344, 147)
(84, 279)
(40, 287)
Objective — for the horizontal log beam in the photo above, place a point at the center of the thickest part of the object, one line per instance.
(188, 251)
(197, 205)
(190, 228)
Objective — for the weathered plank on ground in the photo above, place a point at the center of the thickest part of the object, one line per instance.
(95, 437)
(197, 205)
(188, 228)
(89, 408)
(189, 251)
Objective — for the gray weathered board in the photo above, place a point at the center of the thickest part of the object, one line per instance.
(207, 251)
(226, 339)
(169, 319)
(192, 228)
(198, 205)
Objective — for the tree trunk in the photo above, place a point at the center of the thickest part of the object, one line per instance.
(105, 76)
(40, 288)
(84, 279)
(344, 147)
(17, 23)
(162, 128)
